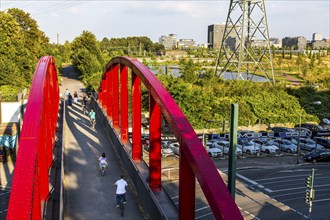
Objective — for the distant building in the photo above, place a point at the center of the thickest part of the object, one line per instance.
(186, 43)
(320, 44)
(276, 42)
(297, 43)
(215, 34)
(231, 43)
(263, 43)
(317, 37)
(169, 42)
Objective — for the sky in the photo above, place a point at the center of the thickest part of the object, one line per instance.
(188, 19)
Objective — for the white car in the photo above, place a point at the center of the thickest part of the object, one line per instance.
(266, 147)
(175, 147)
(166, 150)
(248, 147)
(224, 146)
(214, 152)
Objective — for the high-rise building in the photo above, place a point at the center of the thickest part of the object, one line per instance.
(169, 42)
(316, 37)
(214, 35)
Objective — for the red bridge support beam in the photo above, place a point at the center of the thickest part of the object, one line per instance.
(155, 156)
(136, 118)
(108, 94)
(124, 103)
(31, 181)
(103, 98)
(187, 188)
(115, 97)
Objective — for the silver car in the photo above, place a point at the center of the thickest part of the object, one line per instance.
(224, 147)
(285, 145)
(175, 147)
(308, 144)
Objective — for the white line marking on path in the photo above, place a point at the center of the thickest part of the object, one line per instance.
(321, 200)
(254, 183)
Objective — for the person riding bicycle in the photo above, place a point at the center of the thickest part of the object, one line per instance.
(103, 161)
(92, 117)
(121, 190)
(75, 97)
(84, 103)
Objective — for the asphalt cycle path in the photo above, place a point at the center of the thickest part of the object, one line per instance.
(88, 194)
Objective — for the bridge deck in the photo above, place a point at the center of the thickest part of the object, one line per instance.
(88, 195)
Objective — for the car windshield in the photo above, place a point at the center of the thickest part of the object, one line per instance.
(287, 142)
(248, 144)
(311, 142)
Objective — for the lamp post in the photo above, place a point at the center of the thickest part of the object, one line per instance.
(300, 114)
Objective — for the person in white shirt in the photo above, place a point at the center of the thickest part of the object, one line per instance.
(121, 190)
(103, 161)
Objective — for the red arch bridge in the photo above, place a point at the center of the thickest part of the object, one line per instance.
(120, 86)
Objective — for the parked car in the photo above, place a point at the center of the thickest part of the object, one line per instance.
(308, 144)
(325, 123)
(175, 147)
(224, 146)
(318, 156)
(166, 151)
(248, 147)
(265, 146)
(214, 152)
(281, 129)
(311, 127)
(322, 141)
(303, 131)
(285, 145)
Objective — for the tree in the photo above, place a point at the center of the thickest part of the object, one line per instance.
(189, 71)
(87, 56)
(16, 63)
(34, 39)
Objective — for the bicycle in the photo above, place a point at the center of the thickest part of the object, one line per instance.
(121, 205)
(93, 124)
(103, 169)
(84, 109)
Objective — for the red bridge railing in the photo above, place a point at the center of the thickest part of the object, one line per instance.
(30, 184)
(194, 161)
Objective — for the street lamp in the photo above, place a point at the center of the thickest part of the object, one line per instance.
(300, 114)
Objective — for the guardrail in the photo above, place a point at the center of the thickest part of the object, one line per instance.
(194, 160)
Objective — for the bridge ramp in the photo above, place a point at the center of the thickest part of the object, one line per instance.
(88, 195)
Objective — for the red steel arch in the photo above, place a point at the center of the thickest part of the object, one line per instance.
(194, 160)
(30, 182)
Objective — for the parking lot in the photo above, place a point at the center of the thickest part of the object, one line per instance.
(266, 188)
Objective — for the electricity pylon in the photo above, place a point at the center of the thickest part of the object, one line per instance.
(246, 25)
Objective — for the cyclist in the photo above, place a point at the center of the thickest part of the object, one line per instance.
(67, 93)
(92, 117)
(75, 97)
(121, 190)
(70, 99)
(84, 104)
(103, 163)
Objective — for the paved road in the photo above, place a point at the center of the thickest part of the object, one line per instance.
(261, 191)
(287, 185)
(88, 195)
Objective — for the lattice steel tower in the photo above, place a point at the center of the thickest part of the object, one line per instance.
(245, 45)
